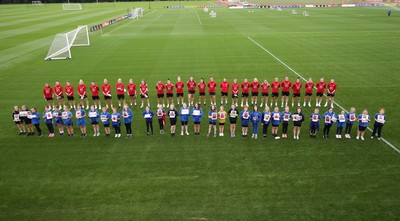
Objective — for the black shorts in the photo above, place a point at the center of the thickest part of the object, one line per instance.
(320, 94)
(183, 123)
(142, 96)
(70, 98)
(245, 125)
(106, 97)
(106, 125)
(160, 95)
(173, 122)
(202, 93)
(49, 99)
(297, 124)
(170, 95)
(275, 125)
(224, 93)
(18, 122)
(132, 95)
(196, 123)
(221, 124)
(95, 98)
(179, 94)
(296, 95)
(211, 93)
(264, 94)
(60, 97)
(330, 95)
(120, 96)
(275, 94)
(232, 121)
(212, 123)
(235, 95)
(94, 123)
(245, 94)
(254, 94)
(285, 93)
(309, 94)
(27, 120)
(361, 128)
(84, 96)
(191, 92)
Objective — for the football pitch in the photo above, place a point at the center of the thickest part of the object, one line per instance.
(198, 177)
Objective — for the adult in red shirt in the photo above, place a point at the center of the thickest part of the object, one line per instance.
(120, 92)
(160, 93)
(212, 85)
(69, 91)
(264, 92)
(131, 92)
(202, 91)
(296, 87)
(254, 91)
(321, 85)
(95, 94)
(224, 91)
(235, 92)
(245, 92)
(170, 92)
(59, 92)
(275, 91)
(48, 95)
(309, 91)
(144, 93)
(106, 89)
(331, 93)
(179, 86)
(82, 94)
(191, 84)
(286, 85)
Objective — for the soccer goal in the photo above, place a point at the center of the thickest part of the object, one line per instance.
(136, 13)
(213, 14)
(305, 13)
(279, 9)
(294, 12)
(61, 46)
(72, 6)
(37, 3)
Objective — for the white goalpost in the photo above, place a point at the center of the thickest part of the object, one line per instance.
(72, 6)
(305, 13)
(61, 46)
(37, 3)
(136, 13)
(279, 9)
(294, 12)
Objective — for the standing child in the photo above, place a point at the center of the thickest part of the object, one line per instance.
(173, 115)
(106, 89)
(148, 117)
(213, 116)
(329, 119)
(161, 118)
(48, 120)
(66, 116)
(70, 92)
(212, 85)
(330, 96)
(221, 120)
(160, 87)
(144, 93)
(127, 115)
(266, 119)
(309, 91)
(116, 122)
(36, 120)
(48, 95)
(264, 92)
(202, 91)
(80, 115)
(285, 124)
(380, 119)
(17, 120)
(93, 115)
(286, 85)
(59, 92)
(95, 94)
(254, 91)
(255, 120)
(170, 92)
(57, 119)
(25, 116)
(233, 114)
(245, 92)
(179, 86)
(82, 94)
(120, 92)
(314, 122)
(235, 92)
(184, 112)
(224, 91)
(105, 119)
(131, 92)
(275, 91)
(321, 86)
(363, 120)
(245, 118)
(276, 120)
(296, 87)
(298, 119)
(341, 121)
(191, 84)
(350, 118)
(197, 114)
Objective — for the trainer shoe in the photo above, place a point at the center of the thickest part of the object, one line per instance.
(372, 137)
(362, 138)
(357, 137)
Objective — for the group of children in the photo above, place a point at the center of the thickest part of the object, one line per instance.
(28, 119)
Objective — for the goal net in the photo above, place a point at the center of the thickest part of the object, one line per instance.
(61, 46)
(37, 3)
(136, 13)
(71, 6)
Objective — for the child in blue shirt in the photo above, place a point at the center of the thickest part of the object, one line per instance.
(213, 116)
(276, 120)
(105, 119)
(285, 121)
(197, 115)
(36, 120)
(380, 119)
(266, 119)
(340, 122)
(93, 115)
(127, 115)
(350, 118)
(116, 122)
(329, 119)
(48, 120)
(363, 120)
(255, 120)
(148, 116)
(57, 120)
(66, 116)
(314, 122)
(80, 115)
(245, 118)
(184, 112)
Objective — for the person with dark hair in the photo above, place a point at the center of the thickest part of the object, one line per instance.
(255, 118)
(197, 114)
(363, 120)
(329, 119)
(148, 117)
(298, 119)
(380, 119)
(127, 115)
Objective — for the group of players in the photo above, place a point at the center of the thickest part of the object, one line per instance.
(274, 117)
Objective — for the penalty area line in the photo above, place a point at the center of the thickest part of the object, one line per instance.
(198, 18)
(300, 76)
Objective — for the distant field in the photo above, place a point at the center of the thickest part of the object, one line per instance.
(200, 178)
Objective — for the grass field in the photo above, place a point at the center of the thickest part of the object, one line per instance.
(200, 178)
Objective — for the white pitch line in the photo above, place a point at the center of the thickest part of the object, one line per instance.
(158, 17)
(300, 76)
(198, 17)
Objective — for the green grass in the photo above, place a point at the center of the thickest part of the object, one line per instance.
(189, 178)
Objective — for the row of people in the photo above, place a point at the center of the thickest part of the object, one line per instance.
(274, 117)
(245, 88)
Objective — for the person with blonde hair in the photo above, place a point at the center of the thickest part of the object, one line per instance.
(82, 94)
